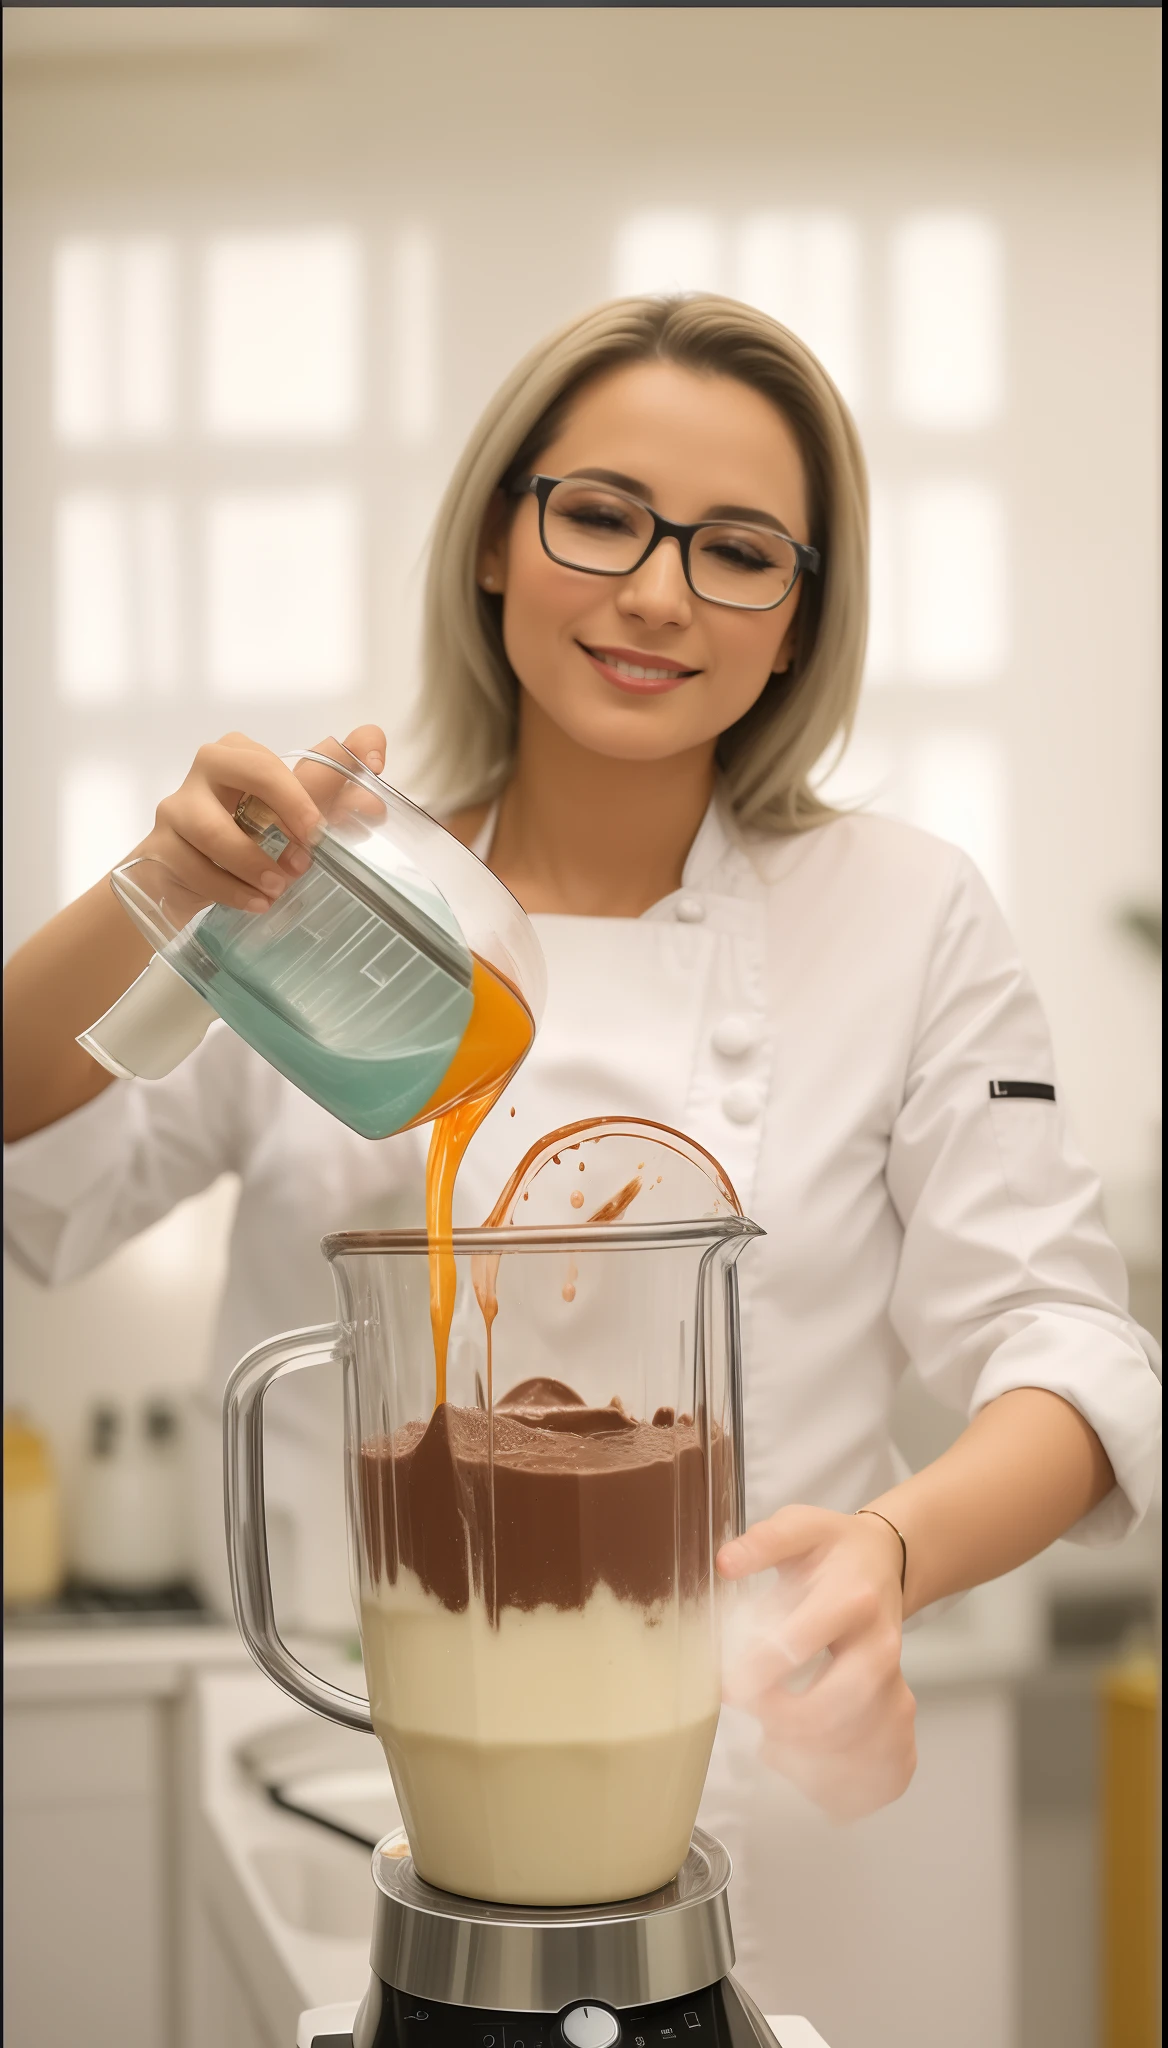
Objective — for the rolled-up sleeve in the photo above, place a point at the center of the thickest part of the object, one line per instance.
(84, 1185)
(1007, 1276)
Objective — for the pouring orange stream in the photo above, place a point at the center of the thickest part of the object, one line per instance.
(493, 1045)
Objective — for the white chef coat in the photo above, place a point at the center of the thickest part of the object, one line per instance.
(825, 1013)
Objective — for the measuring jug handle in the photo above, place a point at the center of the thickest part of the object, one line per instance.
(246, 1519)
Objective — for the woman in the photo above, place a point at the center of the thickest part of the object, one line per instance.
(645, 623)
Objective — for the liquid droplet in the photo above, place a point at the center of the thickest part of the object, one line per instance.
(569, 1293)
(576, 1198)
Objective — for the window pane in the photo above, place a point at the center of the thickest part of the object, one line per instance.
(956, 789)
(100, 818)
(144, 337)
(82, 405)
(668, 251)
(155, 593)
(804, 269)
(113, 338)
(954, 583)
(951, 784)
(947, 339)
(282, 334)
(880, 660)
(413, 401)
(92, 599)
(117, 619)
(860, 780)
(282, 594)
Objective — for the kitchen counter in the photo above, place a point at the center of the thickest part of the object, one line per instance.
(227, 1918)
(282, 1909)
(112, 1663)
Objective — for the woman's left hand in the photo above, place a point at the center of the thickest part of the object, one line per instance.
(845, 1734)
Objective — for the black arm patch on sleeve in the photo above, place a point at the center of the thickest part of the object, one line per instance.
(1036, 1091)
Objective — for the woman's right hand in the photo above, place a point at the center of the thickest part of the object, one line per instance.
(195, 834)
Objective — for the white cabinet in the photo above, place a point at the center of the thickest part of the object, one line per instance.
(87, 1897)
(220, 2008)
(90, 1836)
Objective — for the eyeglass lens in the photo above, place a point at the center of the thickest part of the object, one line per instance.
(591, 526)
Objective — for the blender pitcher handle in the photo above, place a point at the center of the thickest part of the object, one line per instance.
(247, 1528)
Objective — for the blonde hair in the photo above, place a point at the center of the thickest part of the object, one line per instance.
(468, 712)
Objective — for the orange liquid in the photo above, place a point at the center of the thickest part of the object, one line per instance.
(494, 1043)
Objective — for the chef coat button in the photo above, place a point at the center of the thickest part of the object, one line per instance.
(734, 1036)
(691, 910)
(742, 1103)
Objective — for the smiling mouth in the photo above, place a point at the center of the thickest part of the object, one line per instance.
(646, 673)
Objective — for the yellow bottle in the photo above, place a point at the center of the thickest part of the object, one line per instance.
(33, 1568)
(1130, 1853)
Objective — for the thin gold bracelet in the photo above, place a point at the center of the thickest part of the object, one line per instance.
(898, 1536)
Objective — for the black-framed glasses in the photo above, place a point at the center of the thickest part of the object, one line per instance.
(603, 531)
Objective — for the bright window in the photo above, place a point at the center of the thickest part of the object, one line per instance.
(947, 325)
(113, 339)
(804, 269)
(670, 251)
(908, 318)
(954, 601)
(217, 456)
(282, 596)
(282, 335)
(101, 813)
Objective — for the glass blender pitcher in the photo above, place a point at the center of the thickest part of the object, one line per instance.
(394, 980)
(532, 1560)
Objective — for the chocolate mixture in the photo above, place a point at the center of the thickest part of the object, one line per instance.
(582, 1497)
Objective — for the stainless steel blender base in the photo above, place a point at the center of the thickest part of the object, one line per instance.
(643, 1973)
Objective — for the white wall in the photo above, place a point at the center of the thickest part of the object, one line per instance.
(501, 153)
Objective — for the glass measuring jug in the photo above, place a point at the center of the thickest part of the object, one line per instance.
(532, 1560)
(394, 980)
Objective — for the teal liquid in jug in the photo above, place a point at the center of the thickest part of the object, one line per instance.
(333, 997)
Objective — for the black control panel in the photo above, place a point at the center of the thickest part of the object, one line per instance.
(655, 2026)
(718, 2017)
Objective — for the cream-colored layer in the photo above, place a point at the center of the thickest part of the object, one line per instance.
(608, 1670)
(551, 1823)
(557, 1759)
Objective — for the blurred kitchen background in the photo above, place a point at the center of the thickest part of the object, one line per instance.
(263, 268)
